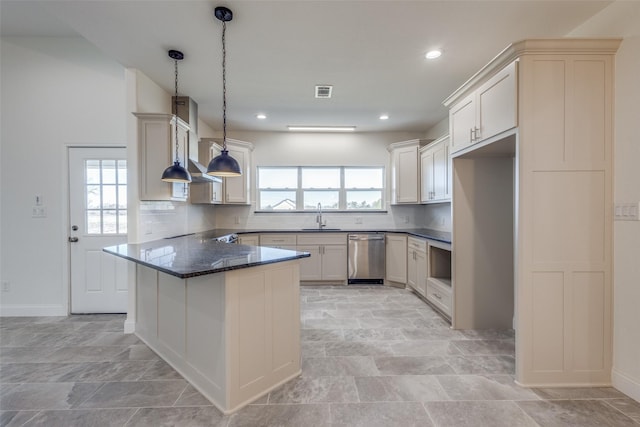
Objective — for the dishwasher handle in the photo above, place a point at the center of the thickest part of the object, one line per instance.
(365, 238)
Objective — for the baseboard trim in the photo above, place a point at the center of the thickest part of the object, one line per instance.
(20, 310)
(129, 326)
(627, 385)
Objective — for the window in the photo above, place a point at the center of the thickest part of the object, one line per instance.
(334, 188)
(106, 196)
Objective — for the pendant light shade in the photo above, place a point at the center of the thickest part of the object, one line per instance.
(224, 165)
(175, 172)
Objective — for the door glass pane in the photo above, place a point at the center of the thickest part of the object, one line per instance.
(92, 174)
(93, 197)
(364, 200)
(122, 172)
(109, 222)
(108, 171)
(122, 197)
(122, 222)
(109, 196)
(328, 199)
(94, 222)
(277, 200)
(363, 177)
(320, 178)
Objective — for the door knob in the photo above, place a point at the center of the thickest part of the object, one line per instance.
(73, 239)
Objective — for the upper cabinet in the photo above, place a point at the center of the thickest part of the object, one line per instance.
(233, 190)
(485, 112)
(405, 171)
(157, 151)
(435, 171)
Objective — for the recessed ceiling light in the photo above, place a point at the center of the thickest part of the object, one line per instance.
(384, 117)
(261, 116)
(433, 54)
(322, 128)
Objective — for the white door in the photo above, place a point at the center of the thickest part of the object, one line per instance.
(97, 219)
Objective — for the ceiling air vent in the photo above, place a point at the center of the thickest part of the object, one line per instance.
(323, 91)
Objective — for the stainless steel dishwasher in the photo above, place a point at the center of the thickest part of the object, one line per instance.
(366, 253)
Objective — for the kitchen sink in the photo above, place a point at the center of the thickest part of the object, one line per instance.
(321, 229)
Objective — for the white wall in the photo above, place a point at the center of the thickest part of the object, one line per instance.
(49, 92)
(309, 149)
(621, 19)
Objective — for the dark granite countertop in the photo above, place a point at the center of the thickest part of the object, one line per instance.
(196, 255)
(427, 233)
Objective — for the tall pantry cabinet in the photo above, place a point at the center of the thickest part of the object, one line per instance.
(561, 168)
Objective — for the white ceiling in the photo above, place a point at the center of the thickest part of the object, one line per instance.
(372, 52)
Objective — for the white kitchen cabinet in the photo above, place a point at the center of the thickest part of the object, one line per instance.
(328, 260)
(396, 258)
(249, 239)
(531, 212)
(157, 151)
(280, 241)
(435, 171)
(232, 190)
(486, 111)
(405, 171)
(417, 267)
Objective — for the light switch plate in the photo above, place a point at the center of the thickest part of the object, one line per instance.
(626, 211)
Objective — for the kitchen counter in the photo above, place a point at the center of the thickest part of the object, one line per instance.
(427, 233)
(197, 254)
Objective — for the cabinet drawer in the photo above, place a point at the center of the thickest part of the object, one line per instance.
(322, 238)
(439, 295)
(277, 239)
(417, 244)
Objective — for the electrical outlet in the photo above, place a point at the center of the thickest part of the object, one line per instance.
(406, 219)
(358, 220)
(6, 286)
(38, 200)
(38, 212)
(442, 221)
(236, 220)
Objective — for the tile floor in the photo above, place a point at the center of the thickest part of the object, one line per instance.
(372, 356)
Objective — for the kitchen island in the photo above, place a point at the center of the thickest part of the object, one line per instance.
(225, 316)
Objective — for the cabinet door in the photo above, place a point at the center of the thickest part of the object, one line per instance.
(421, 273)
(412, 270)
(310, 267)
(427, 173)
(396, 258)
(236, 187)
(497, 103)
(334, 262)
(406, 174)
(440, 178)
(179, 191)
(462, 119)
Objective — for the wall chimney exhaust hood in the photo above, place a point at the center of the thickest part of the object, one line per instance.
(199, 173)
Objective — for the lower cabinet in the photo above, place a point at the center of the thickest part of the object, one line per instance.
(249, 239)
(417, 267)
(328, 260)
(396, 258)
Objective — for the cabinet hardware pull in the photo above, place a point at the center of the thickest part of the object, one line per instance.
(471, 137)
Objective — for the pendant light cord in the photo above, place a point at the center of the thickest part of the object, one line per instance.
(175, 107)
(224, 86)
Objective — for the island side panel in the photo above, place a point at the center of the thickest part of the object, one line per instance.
(206, 339)
(263, 327)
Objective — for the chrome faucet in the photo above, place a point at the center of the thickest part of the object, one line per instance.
(319, 217)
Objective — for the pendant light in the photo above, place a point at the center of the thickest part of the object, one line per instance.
(175, 172)
(224, 165)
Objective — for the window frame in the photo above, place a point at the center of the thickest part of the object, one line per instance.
(300, 190)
